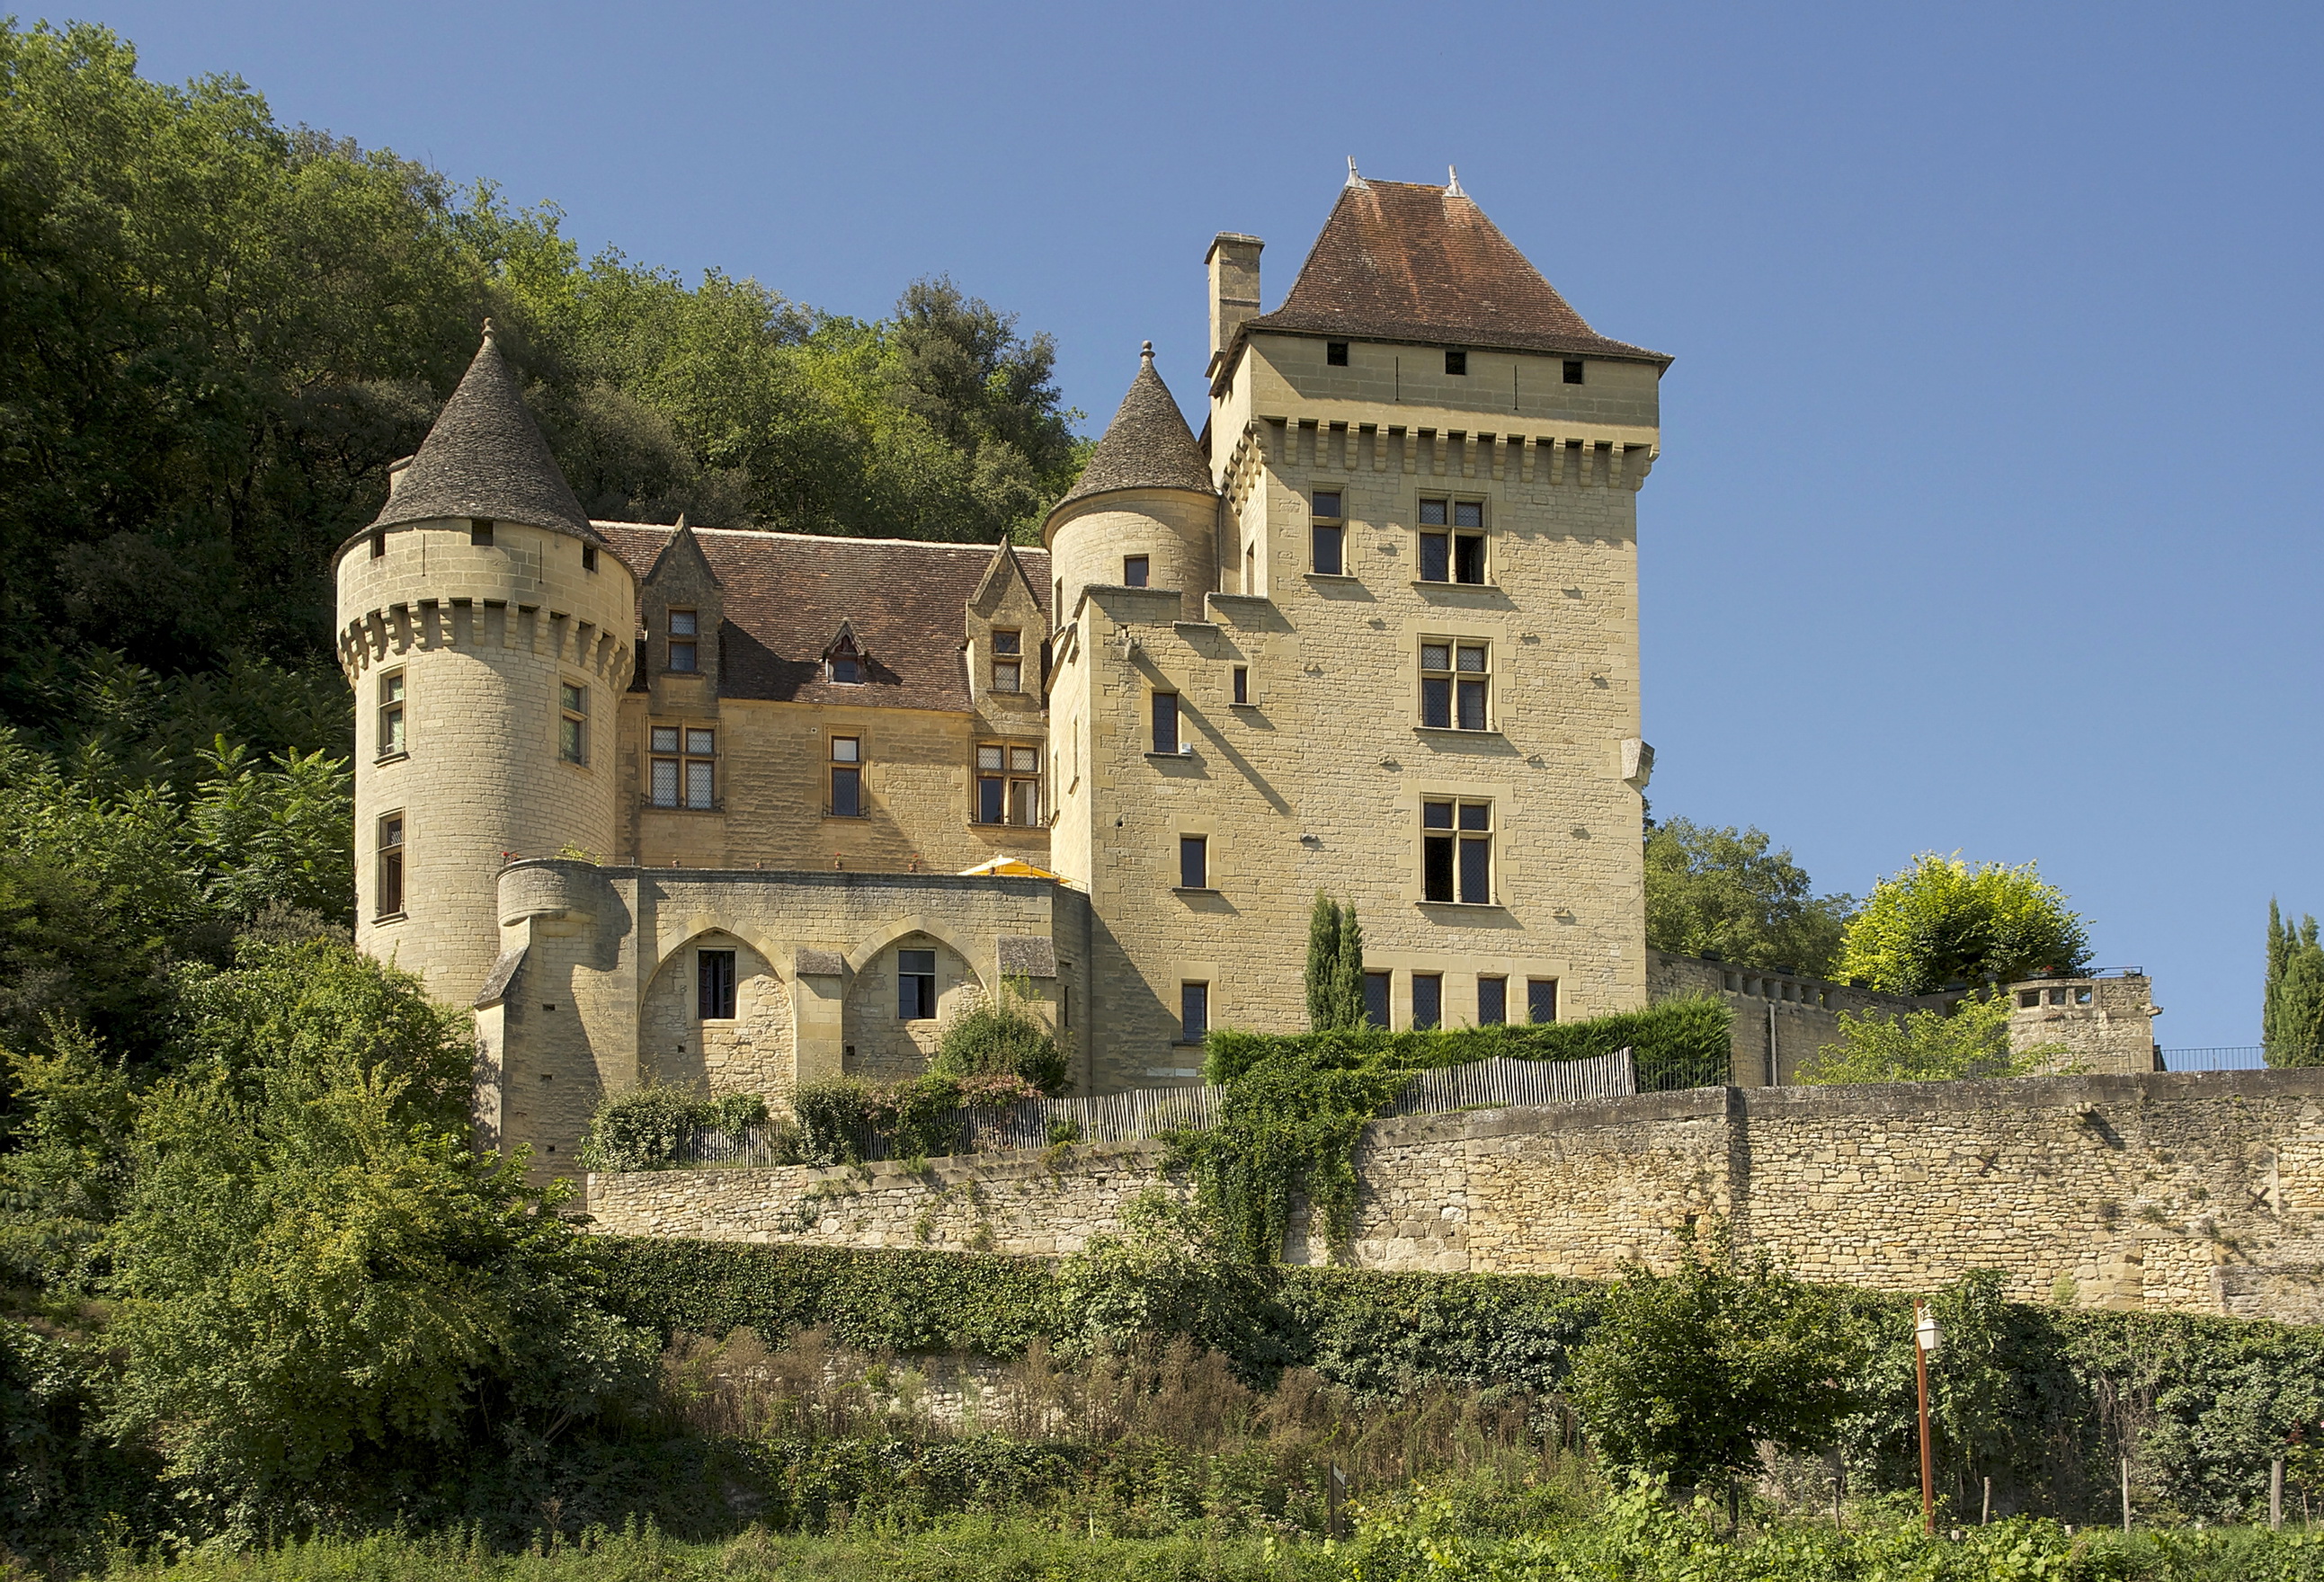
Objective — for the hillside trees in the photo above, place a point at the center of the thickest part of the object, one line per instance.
(215, 333)
(2292, 1007)
(1721, 892)
(1939, 921)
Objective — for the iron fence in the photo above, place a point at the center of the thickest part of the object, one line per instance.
(2230, 1058)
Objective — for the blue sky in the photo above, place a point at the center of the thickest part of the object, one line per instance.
(1987, 516)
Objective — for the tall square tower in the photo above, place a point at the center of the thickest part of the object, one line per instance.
(1408, 675)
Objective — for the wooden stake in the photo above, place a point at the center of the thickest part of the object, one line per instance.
(2126, 1494)
(1928, 1467)
(2276, 1496)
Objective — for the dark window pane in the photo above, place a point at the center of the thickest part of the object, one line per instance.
(1456, 362)
(1437, 815)
(848, 672)
(681, 655)
(1492, 1001)
(1133, 570)
(1166, 722)
(1241, 685)
(991, 793)
(1468, 558)
(1435, 563)
(1436, 868)
(1436, 702)
(1476, 872)
(1427, 999)
(1193, 862)
(1336, 353)
(1468, 513)
(1194, 1011)
(588, 557)
(847, 792)
(681, 623)
(1473, 706)
(1006, 642)
(1327, 503)
(1375, 999)
(714, 977)
(1541, 1000)
(1329, 560)
(480, 531)
(1573, 371)
(1476, 815)
(915, 985)
(1432, 513)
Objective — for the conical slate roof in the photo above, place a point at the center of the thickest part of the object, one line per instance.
(1148, 446)
(1402, 261)
(486, 457)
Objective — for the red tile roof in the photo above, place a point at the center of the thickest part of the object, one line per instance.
(785, 594)
(1402, 261)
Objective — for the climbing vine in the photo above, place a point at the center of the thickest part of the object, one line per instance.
(1297, 1103)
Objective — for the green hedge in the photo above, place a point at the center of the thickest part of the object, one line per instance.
(2205, 1402)
(1679, 1044)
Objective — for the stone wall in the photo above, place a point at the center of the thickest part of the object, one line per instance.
(1782, 1018)
(2197, 1192)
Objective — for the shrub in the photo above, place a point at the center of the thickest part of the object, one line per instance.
(650, 1126)
(1002, 1037)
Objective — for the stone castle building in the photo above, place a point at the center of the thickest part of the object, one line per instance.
(753, 809)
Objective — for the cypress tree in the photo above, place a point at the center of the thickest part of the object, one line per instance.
(1322, 963)
(2291, 1010)
(1348, 972)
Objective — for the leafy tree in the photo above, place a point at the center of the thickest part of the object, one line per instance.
(1166, 1272)
(1928, 1046)
(1335, 966)
(1690, 1372)
(2291, 1010)
(1940, 922)
(325, 1291)
(1721, 892)
(1002, 1037)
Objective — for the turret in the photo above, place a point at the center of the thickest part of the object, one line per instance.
(487, 629)
(1144, 513)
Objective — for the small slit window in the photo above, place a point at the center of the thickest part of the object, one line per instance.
(480, 532)
(588, 557)
(390, 897)
(1331, 533)
(1193, 1012)
(573, 723)
(1336, 353)
(847, 776)
(1455, 362)
(1193, 862)
(1166, 722)
(1573, 371)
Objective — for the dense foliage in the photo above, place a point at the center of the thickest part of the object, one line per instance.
(215, 333)
(1689, 1372)
(652, 1126)
(2292, 1007)
(1929, 1047)
(1297, 1103)
(1720, 893)
(1002, 1037)
(1940, 922)
(1335, 967)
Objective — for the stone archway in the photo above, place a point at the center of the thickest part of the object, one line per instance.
(750, 1053)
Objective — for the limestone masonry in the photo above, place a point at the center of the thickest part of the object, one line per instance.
(753, 809)
(2200, 1192)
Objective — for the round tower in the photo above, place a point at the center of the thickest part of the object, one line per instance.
(1143, 509)
(487, 629)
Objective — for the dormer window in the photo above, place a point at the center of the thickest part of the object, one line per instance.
(1008, 661)
(847, 669)
(843, 661)
(682, 634)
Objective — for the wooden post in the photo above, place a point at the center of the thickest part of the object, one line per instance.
(1335, 1489)
(2276, 1496)
(1986, 1518)
(1928, 1465)
(2126, 1494)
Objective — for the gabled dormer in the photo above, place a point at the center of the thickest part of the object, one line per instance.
(682, 605)
(846, 662)
(1004, 647)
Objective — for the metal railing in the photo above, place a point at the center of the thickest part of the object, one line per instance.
(2227, 1058)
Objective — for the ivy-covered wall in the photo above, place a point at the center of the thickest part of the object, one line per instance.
(2193, 1193)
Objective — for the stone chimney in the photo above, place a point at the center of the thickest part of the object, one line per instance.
(1234, 286)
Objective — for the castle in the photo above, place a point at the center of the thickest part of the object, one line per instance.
(753, 809)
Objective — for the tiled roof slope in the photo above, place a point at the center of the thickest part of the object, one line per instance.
(1402, 261)
(486, 457)
(1148, 446)
(784, 595)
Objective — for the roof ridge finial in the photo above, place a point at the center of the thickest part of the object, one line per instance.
(681, 522)
(1453, 188)
(1145, 353)
(488, 332)
(1354, 179)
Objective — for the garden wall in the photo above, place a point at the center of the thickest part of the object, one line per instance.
(2198, 1192)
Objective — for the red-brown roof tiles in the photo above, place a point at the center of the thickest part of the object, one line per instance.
(784, 595)
(1402, 261)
